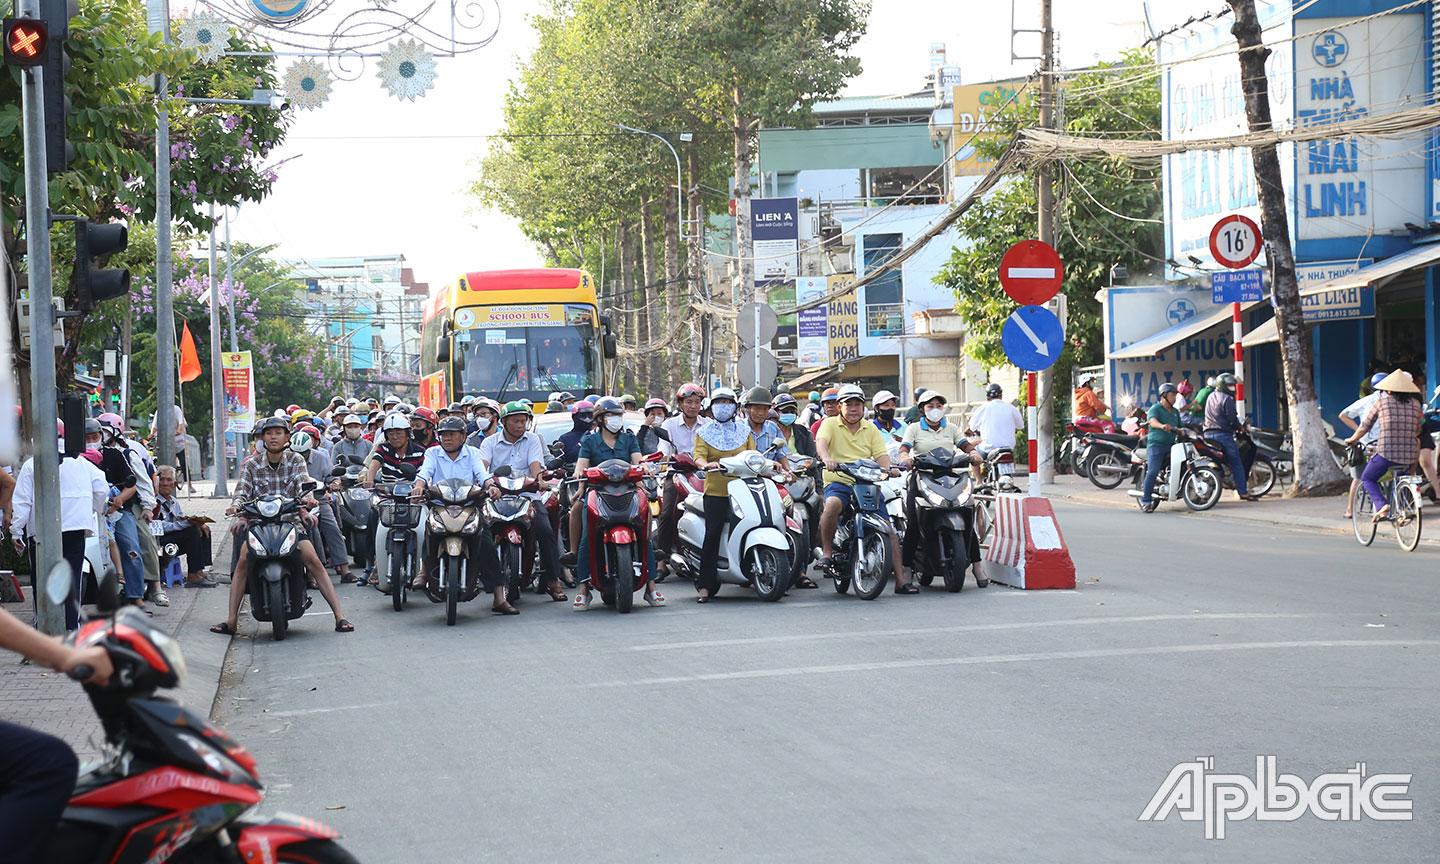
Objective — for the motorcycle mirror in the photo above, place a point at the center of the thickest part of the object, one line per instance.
(557, 448)
(58, 584)
(502, 471)
(661, 433)
(108, 599)
(409, 471)
(555, 464)
(338, 471)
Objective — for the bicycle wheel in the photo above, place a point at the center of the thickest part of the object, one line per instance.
(1406, 513)
(1262, 476)
(1361, 512)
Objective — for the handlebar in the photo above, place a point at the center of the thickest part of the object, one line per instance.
(82, 672)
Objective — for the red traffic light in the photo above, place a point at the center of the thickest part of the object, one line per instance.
(25, 42)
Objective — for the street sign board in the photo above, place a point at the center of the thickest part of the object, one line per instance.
(757, 367)
(756, 324)
(1031, 272)
(1237, 286)
(1235, 241)
(1032, 338)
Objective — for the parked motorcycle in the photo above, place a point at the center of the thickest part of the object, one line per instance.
(397, 552)
(941, 493)
(1107, 457)
(452, 523)
(169, 785)
(862, 539)
(999, 472)
(355, 506)
(755, 551)
(619, 517)
(1074, 444)
(278, 584)
(1192, 475)
(1274, 446)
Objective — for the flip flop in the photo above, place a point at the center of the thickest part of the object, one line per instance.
(223, 628)
(344, 626)
(806, 582)
(907, 588)
(507, 609)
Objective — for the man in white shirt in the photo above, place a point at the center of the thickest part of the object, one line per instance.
(452, 459)
(682, 429)
(84, 495)
(524, 454)
(180, 456)
(996, 423)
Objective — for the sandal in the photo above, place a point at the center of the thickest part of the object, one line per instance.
(223, 628)
(582, 602)
(1381, 515)
(654, 598)
(344, 626)
(505, 609)
(806, 582)
(907, 588)
(558, 596)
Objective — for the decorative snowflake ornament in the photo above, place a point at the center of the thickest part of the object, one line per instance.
(205, 34)
(307, 84)
(407, 70)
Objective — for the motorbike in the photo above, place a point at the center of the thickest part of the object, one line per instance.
(452, 522)
(944, 515)
(863, 538)
(756, 549)
(804, 493)
(509, 519)
(355, 506)
(618, 514)
(999, 472)
(1274, 446)
(278, 584)
(1074, 444)
(169, 785)
(1192, 475)
(1106, 457)
(397, 552)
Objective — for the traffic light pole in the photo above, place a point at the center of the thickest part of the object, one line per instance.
(217, 376)
(45, 517)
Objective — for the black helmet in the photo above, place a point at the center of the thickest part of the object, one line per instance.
(784, 400)
(451, 424)
(608, 405)
(1225, 382)
(918, 391)
(994, 392)
(1167, 387)
(92, 426)
(271, 423)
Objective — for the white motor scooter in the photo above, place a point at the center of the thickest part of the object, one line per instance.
(97, 564)
(756, 550)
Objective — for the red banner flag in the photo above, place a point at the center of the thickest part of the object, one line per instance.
(189, 357)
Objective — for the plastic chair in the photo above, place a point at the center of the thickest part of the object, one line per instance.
(174, 574)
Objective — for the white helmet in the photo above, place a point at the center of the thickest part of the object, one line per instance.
(395, 420)
(302, 443)
(853, 391)
(881, 398)
(722, 393)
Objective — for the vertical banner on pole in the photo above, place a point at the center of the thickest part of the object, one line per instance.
(239, 392)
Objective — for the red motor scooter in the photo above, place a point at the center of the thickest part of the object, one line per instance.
(171, 787)
(618, 511)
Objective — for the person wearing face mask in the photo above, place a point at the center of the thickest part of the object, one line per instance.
(797, 438)
(932, 430)
(655, 413)
(582, 420)
(395, 449)
(610, 441)
(725, 436)
(422, 427)
(352, 442)
(486, 417)
(763, 430)
(885, 404)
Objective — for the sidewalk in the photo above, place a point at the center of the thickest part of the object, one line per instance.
(1320, 514)
(45, 700)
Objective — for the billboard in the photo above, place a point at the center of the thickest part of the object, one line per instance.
(975, 107)
(812, 342)
(842, 320)
(775, 230)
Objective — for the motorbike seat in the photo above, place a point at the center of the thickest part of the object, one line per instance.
(998, 453)
(1118, 438)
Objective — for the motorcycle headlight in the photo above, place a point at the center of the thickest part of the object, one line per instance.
(755, 462)
(291, 539)
(254, 544)
(269, 509)
(472, 524)
(218, 762)
(358, 494)
(934, 497)
(436, 524)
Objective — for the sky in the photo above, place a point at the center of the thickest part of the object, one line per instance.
(372, 175)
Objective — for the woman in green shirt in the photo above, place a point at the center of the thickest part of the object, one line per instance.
(723, 437)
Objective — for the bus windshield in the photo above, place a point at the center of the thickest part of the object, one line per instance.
(525, 360)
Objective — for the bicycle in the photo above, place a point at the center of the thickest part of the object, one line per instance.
(1402, 492)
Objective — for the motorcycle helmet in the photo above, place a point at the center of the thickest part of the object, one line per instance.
(427, 415)
(451, 424)
(513, 408)
(302, 443)
(608, 405)
(831, 394)
(689, 388)
(291, 409)
(657, 403)
(1167, 387)
(814, 396)
(584, 407)
(994, 391)
(310, 430)
(391, 401)
(1376, 379)
(784, 400)
(851, 391)
(395, 420)
(722, 393)
(554, 406)
(567, 397)
(628, 401)
(92, 426)
(882, 397)
(302, 414)
(1185, 388)
(266, 424)
(758, 396)
(1225, 383)
(113, 423)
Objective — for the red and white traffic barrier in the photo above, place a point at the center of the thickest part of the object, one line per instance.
(1026, 548)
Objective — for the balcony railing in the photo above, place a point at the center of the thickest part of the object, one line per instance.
(885, 319)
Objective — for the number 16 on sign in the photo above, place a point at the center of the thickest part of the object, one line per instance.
(1235, 243)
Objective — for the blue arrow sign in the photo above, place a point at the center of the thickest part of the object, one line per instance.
(1032, 338)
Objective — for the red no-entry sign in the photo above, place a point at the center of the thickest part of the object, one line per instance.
(1031, 272)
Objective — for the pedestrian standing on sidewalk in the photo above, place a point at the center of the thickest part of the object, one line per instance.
(1398, 413)
(1163, 420)
(180, 456)
(193, 540)
(1221, 424)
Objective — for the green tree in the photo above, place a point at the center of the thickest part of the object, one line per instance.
(1108, 211)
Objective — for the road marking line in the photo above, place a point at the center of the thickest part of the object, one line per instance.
(1015, 658)
(969, 628)
(301, 712)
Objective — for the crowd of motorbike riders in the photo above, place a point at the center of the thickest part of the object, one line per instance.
(809, 473)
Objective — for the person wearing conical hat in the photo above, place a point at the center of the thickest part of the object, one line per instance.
(1398, 414)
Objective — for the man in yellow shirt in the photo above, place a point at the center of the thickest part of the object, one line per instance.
(846, 437)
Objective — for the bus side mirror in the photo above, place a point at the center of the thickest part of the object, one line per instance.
(611, 346)
(442, 351)
(605, 322)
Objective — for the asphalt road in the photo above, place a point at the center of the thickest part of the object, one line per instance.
(998, 724)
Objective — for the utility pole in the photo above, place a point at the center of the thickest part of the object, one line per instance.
(1315, 471)
(164, 269)
(217, 377)
(230, 284)
(49, 618)
(1045, 196)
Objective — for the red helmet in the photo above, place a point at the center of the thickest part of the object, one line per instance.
(311, 429)
(291, 409)
(427, 415)
(689, 388)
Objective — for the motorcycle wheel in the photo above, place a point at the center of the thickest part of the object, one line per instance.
(622, 572)
(959, 563)
(1106, 470)
(275, 600)
(399, 582)
(452, 590)
(1078, 463)
(772, 580)
(511, 571)
(314, 852)
(871, 568)
(1201, 489)
(1262, 476)
(927, 579)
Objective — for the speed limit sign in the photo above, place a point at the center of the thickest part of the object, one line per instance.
(1235, 241)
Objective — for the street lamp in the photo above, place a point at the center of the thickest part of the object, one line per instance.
(679, 182)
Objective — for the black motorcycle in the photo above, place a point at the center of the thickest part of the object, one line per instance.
(278, 583)
(940, 495)
(355, 507)
(400, 520)
(863, 537)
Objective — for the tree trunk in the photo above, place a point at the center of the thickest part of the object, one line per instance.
(695, 267)
(653, 322)
(744, 242)
(625, 299)
(671, 289)
(1315, 470)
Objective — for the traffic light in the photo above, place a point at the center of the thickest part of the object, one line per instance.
(58, 150)
(94, 240)
(25, 42)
